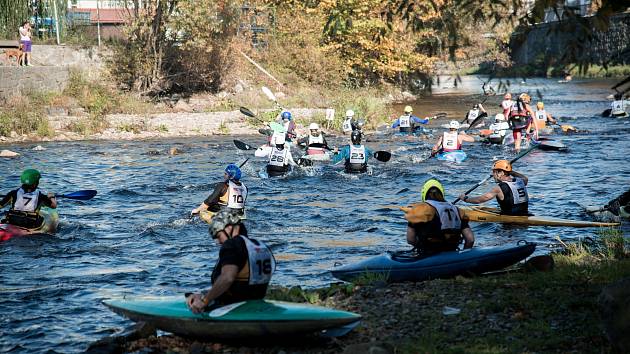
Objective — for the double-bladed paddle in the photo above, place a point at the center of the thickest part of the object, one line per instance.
(243, 146)
(383, 156)
(487, 178)
(78, 195)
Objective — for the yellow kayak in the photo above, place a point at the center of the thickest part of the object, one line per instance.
(486, 214)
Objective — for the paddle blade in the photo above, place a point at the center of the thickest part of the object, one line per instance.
(79, 195)
(551, 145)
(267, 132)
(242, 146)
(269, 94)
(247, 112)
(606, 113)
(304, 162)
(383, 156)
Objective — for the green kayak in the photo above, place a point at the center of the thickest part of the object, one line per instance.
(252, 318)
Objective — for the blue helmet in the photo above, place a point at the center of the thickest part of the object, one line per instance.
(286, 115)
(233, 172)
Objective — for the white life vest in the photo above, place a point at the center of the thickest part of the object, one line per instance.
(448, 213)
(278, 157)
(541, 115)
(499, 129)
(357, 154)
(519, 191)
(26, 201)
(618, 108)
(315, 140)
(472, 115)
(405, 121)
(450, 141)
(237, 194)
(261, 261)
(506, 105)
(347, 125)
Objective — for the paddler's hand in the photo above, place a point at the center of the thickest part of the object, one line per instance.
(194, 212)
(51, 195)
(463, 197)
(195, 303)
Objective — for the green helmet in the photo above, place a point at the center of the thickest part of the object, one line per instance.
(30, 177)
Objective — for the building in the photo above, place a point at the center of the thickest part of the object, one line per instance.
(110, 15)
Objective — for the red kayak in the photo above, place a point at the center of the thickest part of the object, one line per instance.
(49, 226)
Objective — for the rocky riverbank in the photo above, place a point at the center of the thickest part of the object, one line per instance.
(567, 308)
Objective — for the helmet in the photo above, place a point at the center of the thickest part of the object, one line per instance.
(355, 137)
(540, 105)
(233, 172)
(286, 115)
(349, 113)
(476, 106)
(222, 219)
(507, 96)
(431, 183)
(30, 177)
(408, 109)
(313, 126)
(503, 165)
(499, 117)
(278, 138)
(453, 124)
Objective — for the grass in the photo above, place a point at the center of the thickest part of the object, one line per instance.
(223, 128)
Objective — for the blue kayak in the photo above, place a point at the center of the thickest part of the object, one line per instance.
(403, 266)
(452, 156)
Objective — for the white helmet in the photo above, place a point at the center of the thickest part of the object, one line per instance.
(313, 126)
(499, 117)
(278, 138)
(349, 113)
(454, 124)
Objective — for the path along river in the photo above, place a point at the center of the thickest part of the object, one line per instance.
(135, 238)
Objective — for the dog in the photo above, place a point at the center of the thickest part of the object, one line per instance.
(16, 54)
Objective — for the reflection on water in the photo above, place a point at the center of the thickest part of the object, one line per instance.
(135, 237)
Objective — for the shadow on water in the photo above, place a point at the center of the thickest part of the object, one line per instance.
(135, 238)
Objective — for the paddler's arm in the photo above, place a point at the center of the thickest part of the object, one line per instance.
(420, 121)
(213, 199)
(551, 119)
(6, 200)
(465, 137)
(469, 238)
(493, 193)
(48, 200)
(437, 145)
(198, 302)
(290, 159)
(341, 155)
(396, 123)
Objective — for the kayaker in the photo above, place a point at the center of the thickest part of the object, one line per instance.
(520, 118)
(498, 129)
(541, 117)
(26, 202)
(618, 106)
(451, 140)
(230, 194)
(315, 141)
(506, 104)
(280, 158)
(510, 191)
(476, 111)
(436, 225)
(355, 155)
(349, 124)
(407, 123)
(244, 268)
(289, 125)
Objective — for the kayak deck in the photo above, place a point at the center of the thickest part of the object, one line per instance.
(245, 319)
(49, 226)
(486, 214)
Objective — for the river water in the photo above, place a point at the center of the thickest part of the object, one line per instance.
(135, 238)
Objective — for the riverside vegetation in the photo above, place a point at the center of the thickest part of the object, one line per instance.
(519, 310)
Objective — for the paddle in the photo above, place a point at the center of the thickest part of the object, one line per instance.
(476, 121)
(304, 162)
(383, 156)
(78, 195)
(606, 112)
(487, 178)
(270, 95)
(247, 112)
(243, 146)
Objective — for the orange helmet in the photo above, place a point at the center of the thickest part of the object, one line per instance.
(503, 165)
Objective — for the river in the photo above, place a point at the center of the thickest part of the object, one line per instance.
(134, 238)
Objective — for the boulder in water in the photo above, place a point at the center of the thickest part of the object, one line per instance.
(8, 154)
(39, 148)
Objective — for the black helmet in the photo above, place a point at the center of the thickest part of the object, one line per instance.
(355, 137)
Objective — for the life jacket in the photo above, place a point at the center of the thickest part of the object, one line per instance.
(518, 116)
(617, 108)
(347, 125)
(357, 163)
(315, 145)
(445, 237)
(236, 195)
(506, 105)
(450, 141)
(540, 120)
(515, 198)
(405, 124)
(278, 160)
(27, 202)
(472, 115)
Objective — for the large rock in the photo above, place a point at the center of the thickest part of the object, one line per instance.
(614, 306)
(116, 343)
(8, 154)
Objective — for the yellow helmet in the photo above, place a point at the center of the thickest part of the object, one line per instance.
(430, 184)
(540, 105)
(503, 165)
(525, 97)
(408, 109)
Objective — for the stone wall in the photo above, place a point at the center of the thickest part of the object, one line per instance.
(544, 41)
(17, 79)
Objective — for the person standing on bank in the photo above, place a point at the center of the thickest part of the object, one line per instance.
(25, 43)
